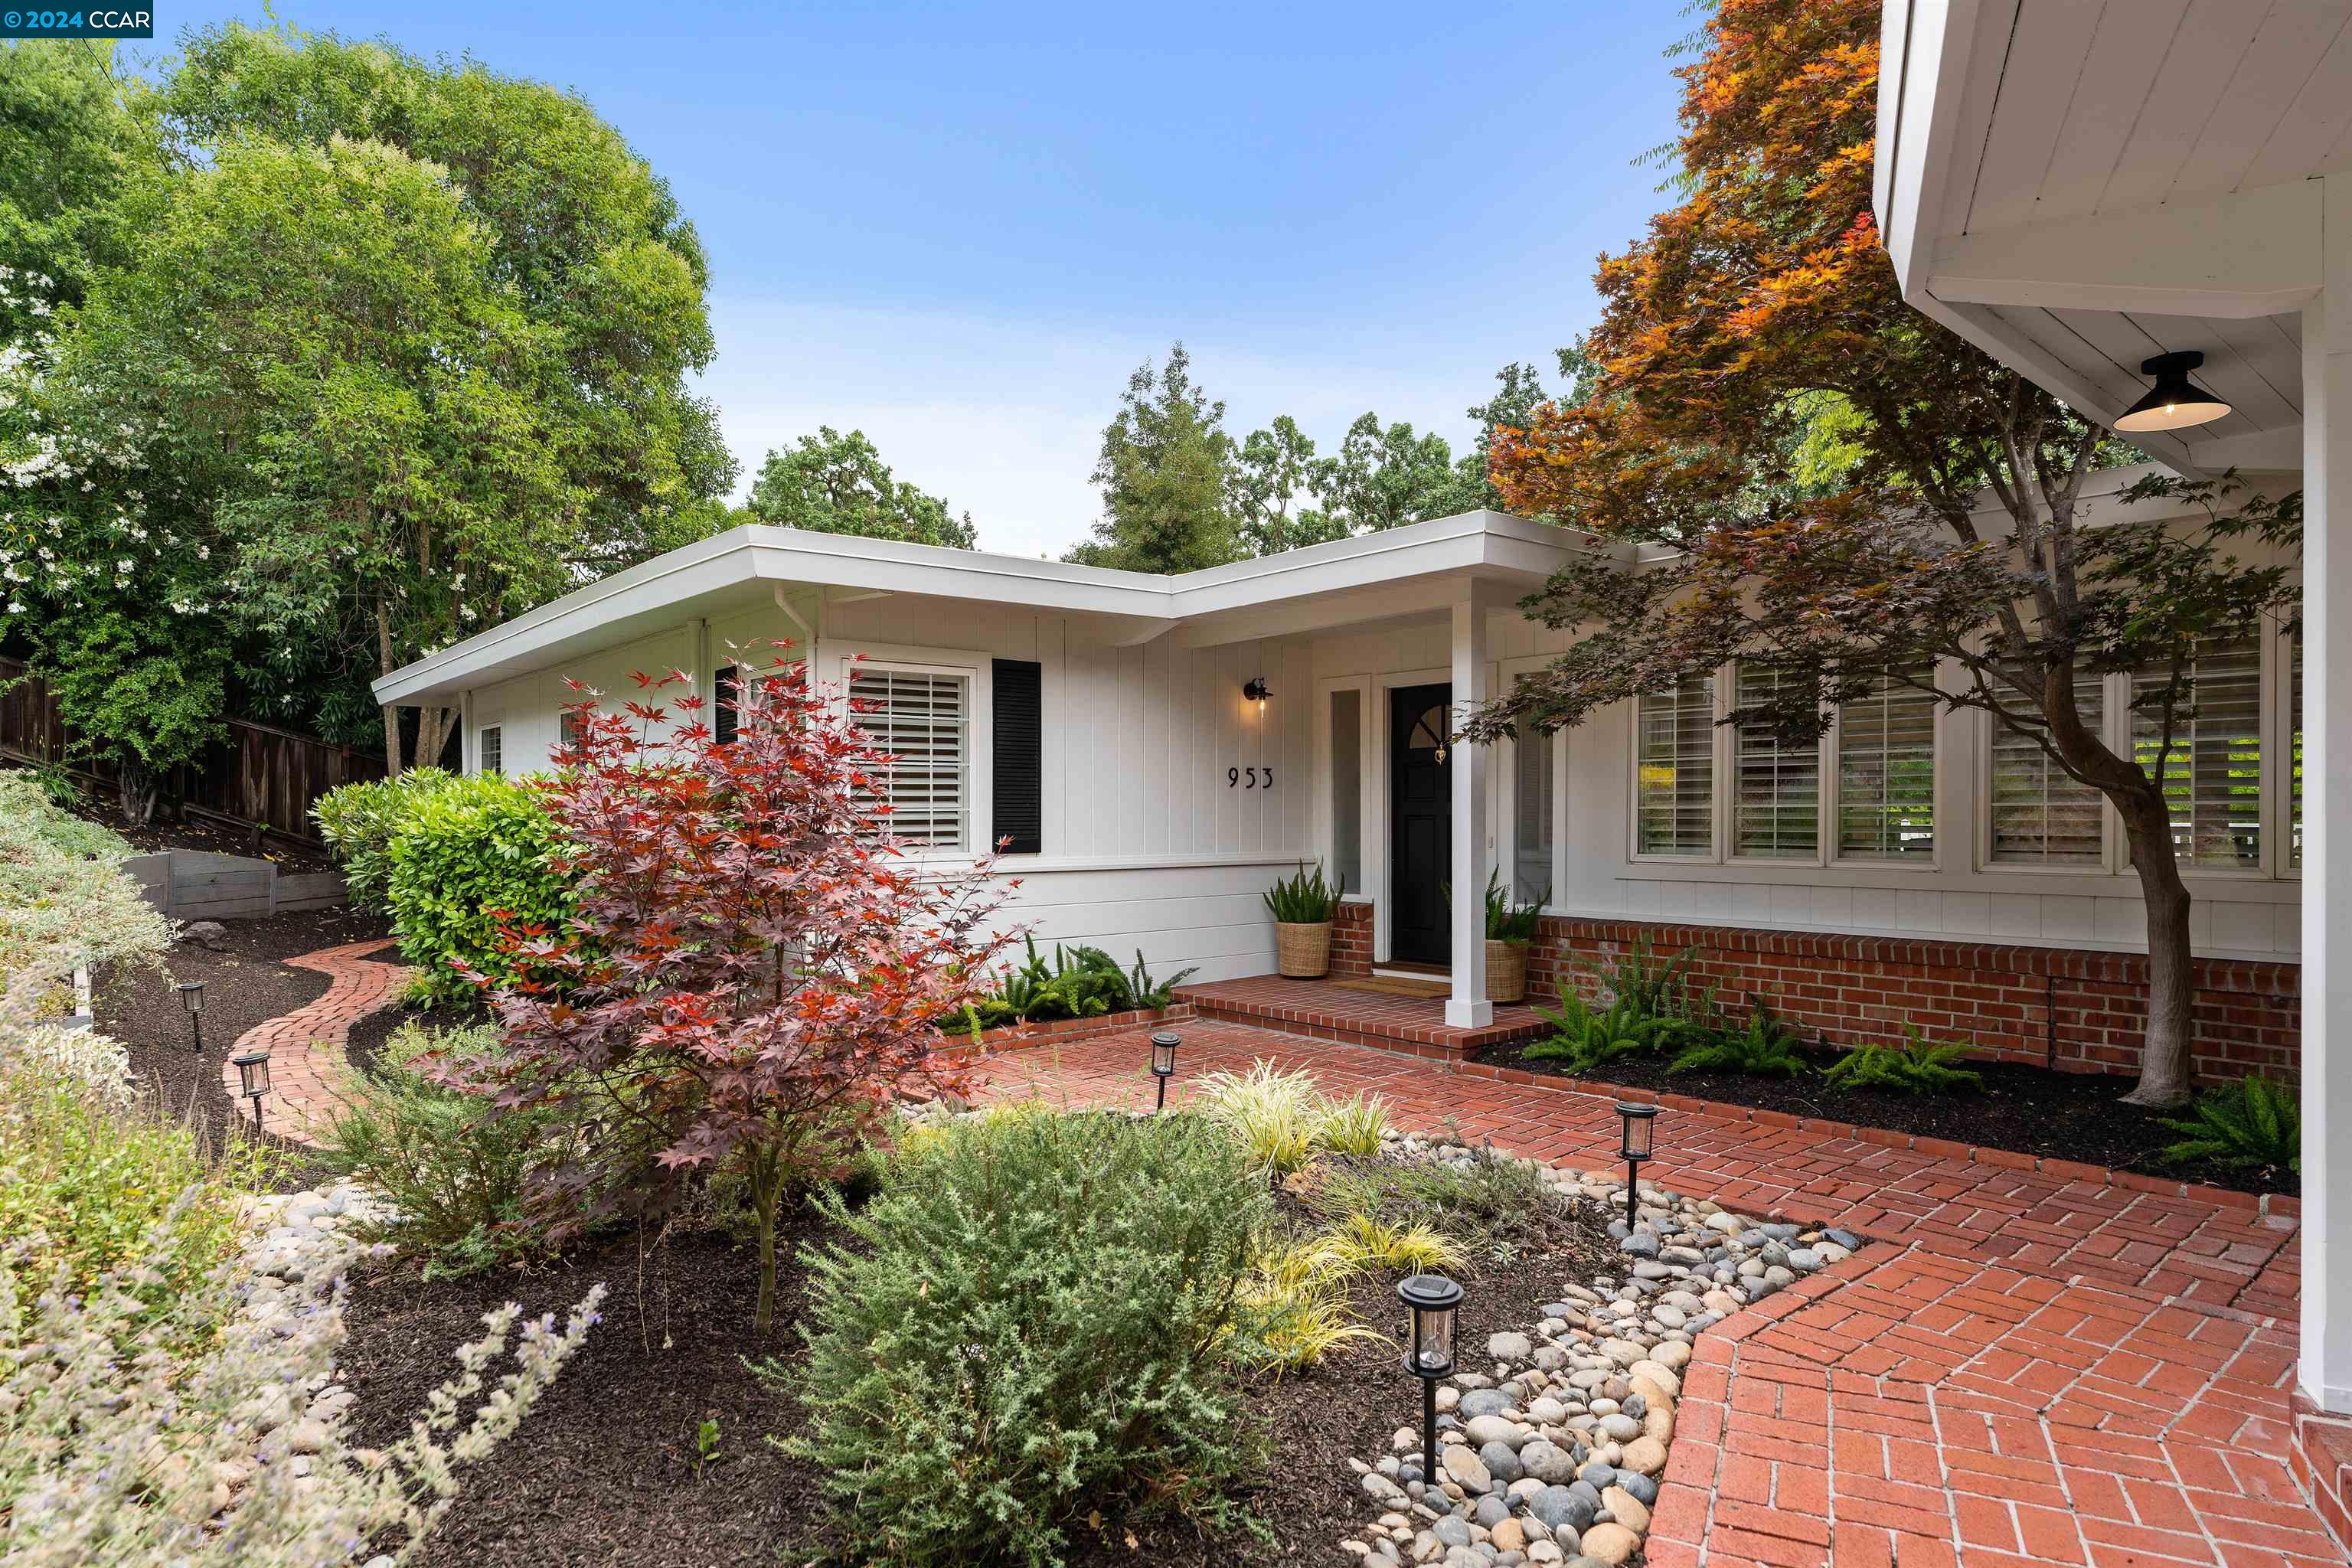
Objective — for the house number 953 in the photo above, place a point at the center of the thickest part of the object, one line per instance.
(1249, 778)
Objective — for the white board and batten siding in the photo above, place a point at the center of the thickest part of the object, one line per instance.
(1145, 845)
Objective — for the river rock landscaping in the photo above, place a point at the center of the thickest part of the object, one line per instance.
(1552, 1444)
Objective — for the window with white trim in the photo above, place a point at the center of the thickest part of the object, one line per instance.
(1673, 760)
(1776, 782)
(489, 750)
(1531, 813)
(2213, 769)
(1886, 772)
(2042, 815)
(1348, 789)
(922, 719)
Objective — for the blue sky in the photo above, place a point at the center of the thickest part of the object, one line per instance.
(959, 228)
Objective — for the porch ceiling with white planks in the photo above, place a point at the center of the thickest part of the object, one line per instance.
(2146, 160)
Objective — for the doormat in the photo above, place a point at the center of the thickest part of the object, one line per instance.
(1390, 985)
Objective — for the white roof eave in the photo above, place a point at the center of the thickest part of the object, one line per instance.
(1482, 544)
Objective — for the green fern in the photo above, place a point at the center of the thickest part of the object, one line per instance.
(1583, 1039)
(1767, 1048)
(1661, 988)
(1920, 1067)
(2254, 1124)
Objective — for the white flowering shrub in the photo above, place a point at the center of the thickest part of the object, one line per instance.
(121, 1446)
(63, 894)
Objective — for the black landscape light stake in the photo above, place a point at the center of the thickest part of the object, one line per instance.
(1163, 1064)
(253, 1075)
(1638, 1136)
(1431, 1299)
(192, 998)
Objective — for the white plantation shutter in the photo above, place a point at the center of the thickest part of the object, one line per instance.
(1775, 804)
(2213, 774)
(2042, 816)
(2294, 761)
(923, 720)
(1886, 773)
(1674, 762)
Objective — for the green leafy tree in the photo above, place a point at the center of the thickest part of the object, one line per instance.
(584, 279)
(839, 484)
(1801, 457)
(1164, 471)
(1268, 474)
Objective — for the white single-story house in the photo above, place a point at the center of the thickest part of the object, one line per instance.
(2078, 188)
(1160, 749)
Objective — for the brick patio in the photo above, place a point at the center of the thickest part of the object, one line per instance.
(2037, 1366)
(307, 1064)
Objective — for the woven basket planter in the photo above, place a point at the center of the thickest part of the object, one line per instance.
(1506, 971)
(1302, 951)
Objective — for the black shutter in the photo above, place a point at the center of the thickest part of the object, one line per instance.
(1018, 708)
(722, 718)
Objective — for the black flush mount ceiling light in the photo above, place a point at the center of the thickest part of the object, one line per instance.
(2174, 402)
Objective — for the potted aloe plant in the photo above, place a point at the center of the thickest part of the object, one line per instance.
(1302, 907)
(1510, 927)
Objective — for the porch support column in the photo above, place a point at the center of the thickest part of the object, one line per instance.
(2325, 1372)
(1466, 770)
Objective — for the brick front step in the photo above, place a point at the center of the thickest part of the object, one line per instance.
(1318, 1010)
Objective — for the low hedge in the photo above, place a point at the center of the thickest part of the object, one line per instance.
(463, 854)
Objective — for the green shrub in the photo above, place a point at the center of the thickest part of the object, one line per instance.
(1583, 1038)
(466, 851)
(1081, 983)
(1918, 1066)
(1766, 1048)
(2254, 1124)
(1356, 1125)
(358, 822)
(84, 1178)
(1507, 920)
(455, 1174)
(1658, 987)
(1032, 1319)
(1488, 1199)
(63, 895)
(1305, 900)
(1274, 1116)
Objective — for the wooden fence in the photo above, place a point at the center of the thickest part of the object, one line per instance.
(260, 777)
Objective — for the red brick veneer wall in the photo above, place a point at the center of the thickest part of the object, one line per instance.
(1351, 942)
(2078, 1010)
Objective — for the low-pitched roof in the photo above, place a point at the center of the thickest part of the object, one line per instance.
(1397, 572)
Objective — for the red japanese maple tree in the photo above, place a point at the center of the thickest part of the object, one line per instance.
(756, 965)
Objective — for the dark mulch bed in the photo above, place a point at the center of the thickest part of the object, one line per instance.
(293, 856)
(2026, 1109)
(603, 1473)
(247, 984)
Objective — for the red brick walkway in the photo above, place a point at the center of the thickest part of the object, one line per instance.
(305, 1046)
(2031, 1366)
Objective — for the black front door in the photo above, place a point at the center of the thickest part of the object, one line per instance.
(1421, 813)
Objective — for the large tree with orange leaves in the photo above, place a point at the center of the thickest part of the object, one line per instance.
(1801, 462)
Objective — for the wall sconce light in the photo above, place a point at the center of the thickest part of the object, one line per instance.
(1257, 690)
(2174, 402)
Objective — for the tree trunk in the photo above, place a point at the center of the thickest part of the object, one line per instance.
(384, 666)
(767, 1173)
(392, 740)
(136, 788)
(433, 728)
(2164, 1070)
